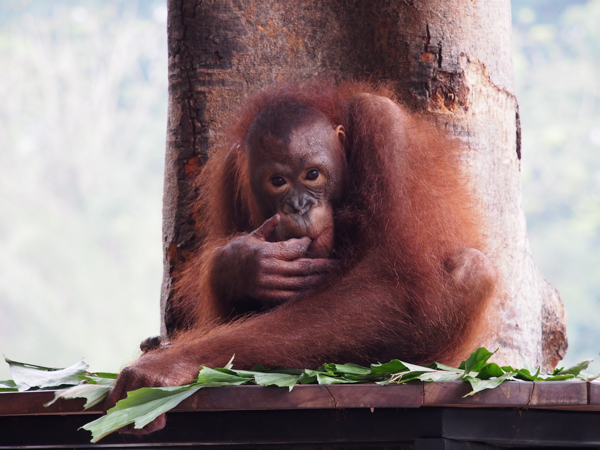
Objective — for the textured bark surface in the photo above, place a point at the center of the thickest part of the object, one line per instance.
(450, 59)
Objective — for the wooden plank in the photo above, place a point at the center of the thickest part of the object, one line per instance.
(304, 397)
(376, 396)
(450, 393)
(215, 399)
(559, 393)
(242, 398)
(24, 403)
(594, 393)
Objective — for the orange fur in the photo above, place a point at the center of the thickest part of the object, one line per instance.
(406, 209)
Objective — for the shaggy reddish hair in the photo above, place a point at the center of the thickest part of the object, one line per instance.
(406, 209)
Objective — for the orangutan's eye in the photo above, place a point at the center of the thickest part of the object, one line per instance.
(312, 174)
(278, 181)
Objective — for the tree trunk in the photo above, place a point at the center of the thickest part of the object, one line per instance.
(449, 59)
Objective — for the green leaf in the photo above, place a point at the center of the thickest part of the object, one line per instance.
(90, 379)
(314, 373)
(28, 365)
(439, 366)
(349, 368)
(93, 394)
(414, 376)
(307, 378)
(288, 371)
(394, 366)
(140, 407)
(574, 370)
(415, 368)
(565, 377)
(261, 369)
(523, 374)
(476, 361)
(326, 379)
(240, 373)
(8, 385)
(440, 376)
(276, 379)
(28, 376)
(208, 376)
(366, 378)
(490, 370)
(479, 385)
(111, 375)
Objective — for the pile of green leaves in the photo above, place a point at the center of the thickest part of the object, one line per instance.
(144, 405)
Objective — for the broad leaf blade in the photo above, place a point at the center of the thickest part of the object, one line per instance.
(440, 366)
(479, 385)
(415, 368)
(577, 368)
(99, 380)
(414, 376)
(565, 377)
(140, 407)
(308, 378)
(28, 365)
(352, 369)
(93, 394)
(490, 370)
(440, 376)
(208, 376)
(260, 369)
(110, 375)
(276, 379)
(27, 376)
(525, 375)
(476, 360)
(394, 366)
(7, 386)
(326, 379)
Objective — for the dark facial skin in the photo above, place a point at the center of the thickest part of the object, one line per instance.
(300, 177)
(295, 181)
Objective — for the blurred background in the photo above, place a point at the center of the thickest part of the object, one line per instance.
(83, 110)
(83, 116)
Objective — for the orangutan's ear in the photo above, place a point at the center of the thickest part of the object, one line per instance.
(341, 134)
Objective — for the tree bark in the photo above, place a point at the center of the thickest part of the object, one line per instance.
(448, 59)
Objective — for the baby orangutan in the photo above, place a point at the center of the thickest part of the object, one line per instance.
(333, 226)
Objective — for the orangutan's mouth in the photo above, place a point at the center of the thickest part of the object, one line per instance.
(323, 233)
(322, 245)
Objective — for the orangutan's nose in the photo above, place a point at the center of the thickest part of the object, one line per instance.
(299, 204)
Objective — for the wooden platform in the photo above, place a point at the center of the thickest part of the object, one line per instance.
(562, 414)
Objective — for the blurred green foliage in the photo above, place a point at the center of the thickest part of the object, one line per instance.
(83, 91)
(82, 135)
(557, 68)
